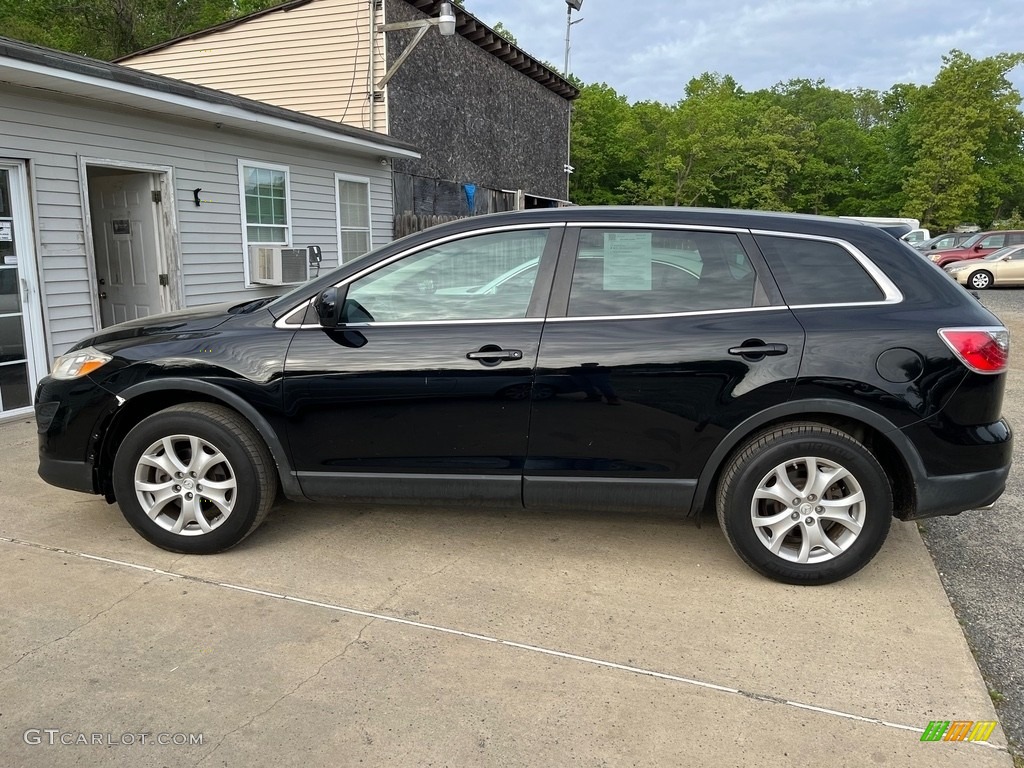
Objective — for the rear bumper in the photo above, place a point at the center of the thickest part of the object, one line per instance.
(953, 494)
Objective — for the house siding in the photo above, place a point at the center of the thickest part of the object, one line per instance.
(474, 119)
(312, 59)
(52, 133)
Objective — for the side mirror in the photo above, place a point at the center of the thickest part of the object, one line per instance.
(328, 305)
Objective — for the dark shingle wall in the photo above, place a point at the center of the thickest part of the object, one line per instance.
(475, 119)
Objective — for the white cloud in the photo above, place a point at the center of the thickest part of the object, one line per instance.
(649, 49)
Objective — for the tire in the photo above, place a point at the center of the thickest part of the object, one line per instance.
(980, 279)
(825, 542)
(173, 510)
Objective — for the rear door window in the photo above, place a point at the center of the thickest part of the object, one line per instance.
(817, 272)
(642, 272)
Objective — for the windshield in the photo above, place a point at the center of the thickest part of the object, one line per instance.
(972, 240)
(997, 255)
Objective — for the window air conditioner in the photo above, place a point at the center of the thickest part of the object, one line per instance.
(273, 265)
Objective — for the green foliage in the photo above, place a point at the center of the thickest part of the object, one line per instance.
(965, 133)
(107, 29)
(945, 153)
(502, 30)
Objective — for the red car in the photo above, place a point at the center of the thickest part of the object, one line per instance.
(978, 246)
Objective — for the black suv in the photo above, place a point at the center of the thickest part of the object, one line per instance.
(800, 375)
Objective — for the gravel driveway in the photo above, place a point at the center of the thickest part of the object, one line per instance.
(980, 555)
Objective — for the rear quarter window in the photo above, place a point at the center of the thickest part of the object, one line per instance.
(817, 272)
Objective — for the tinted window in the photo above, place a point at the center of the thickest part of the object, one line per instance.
(639, 272)
(816, 272)
(487, 277)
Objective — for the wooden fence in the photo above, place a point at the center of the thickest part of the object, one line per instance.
(407, 223)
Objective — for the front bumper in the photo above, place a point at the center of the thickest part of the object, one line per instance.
(70, 419)
(72, 475)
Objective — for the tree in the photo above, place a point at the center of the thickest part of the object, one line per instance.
(600, 151)
(107, 29)
(502, 30)
(965, 132)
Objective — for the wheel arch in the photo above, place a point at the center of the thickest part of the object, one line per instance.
(144, 399)
(894, 451)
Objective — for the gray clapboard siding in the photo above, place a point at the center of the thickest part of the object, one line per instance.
(52, 133)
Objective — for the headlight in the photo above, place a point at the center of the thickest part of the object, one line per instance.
(76, 364)
(954, 270)
(935, 257)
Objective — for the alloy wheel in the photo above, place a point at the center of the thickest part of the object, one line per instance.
(186, 485)
(808, 510)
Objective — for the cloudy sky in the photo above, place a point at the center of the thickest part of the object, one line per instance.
(648, 49)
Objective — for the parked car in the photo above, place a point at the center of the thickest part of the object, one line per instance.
(978, 246)
(942, 242)
(795, 375)
(1002, 267)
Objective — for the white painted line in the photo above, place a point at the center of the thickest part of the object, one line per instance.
(767, 698)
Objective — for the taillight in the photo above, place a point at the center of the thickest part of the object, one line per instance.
(983, 350)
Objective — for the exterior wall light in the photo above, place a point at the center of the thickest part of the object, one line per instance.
(445, 22)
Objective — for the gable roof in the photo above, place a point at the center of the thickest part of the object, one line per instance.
(466, 24)
(33, 66)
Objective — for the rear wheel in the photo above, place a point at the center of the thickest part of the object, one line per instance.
(805, 504)
(981, 279)
(195, 478)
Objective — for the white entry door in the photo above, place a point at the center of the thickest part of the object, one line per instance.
(22, 352)
(125, 233)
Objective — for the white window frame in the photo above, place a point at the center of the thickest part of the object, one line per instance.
(365, 180)
(288, 227)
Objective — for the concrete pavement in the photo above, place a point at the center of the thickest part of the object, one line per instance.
(373, 636)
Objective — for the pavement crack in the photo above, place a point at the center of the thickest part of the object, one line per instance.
(83, 625)
(411, 582)
(282, 697)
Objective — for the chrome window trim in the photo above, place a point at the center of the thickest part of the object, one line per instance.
(658, 225)
(891, 294)
(694, 313)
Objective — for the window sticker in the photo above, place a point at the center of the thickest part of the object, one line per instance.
(6, 232)
(627, 261)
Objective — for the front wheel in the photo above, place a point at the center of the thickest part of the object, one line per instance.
(805, 504)
(195, 478)
(981, 279)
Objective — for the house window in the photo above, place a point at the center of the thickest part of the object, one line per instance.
(353, 216)
(266, 203)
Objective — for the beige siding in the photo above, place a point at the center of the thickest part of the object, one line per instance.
(52, 134)
(313, 59)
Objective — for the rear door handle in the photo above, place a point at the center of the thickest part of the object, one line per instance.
(492, 354)
(496, 354)
(758, 349)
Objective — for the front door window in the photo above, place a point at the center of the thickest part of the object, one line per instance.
(488, 277)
